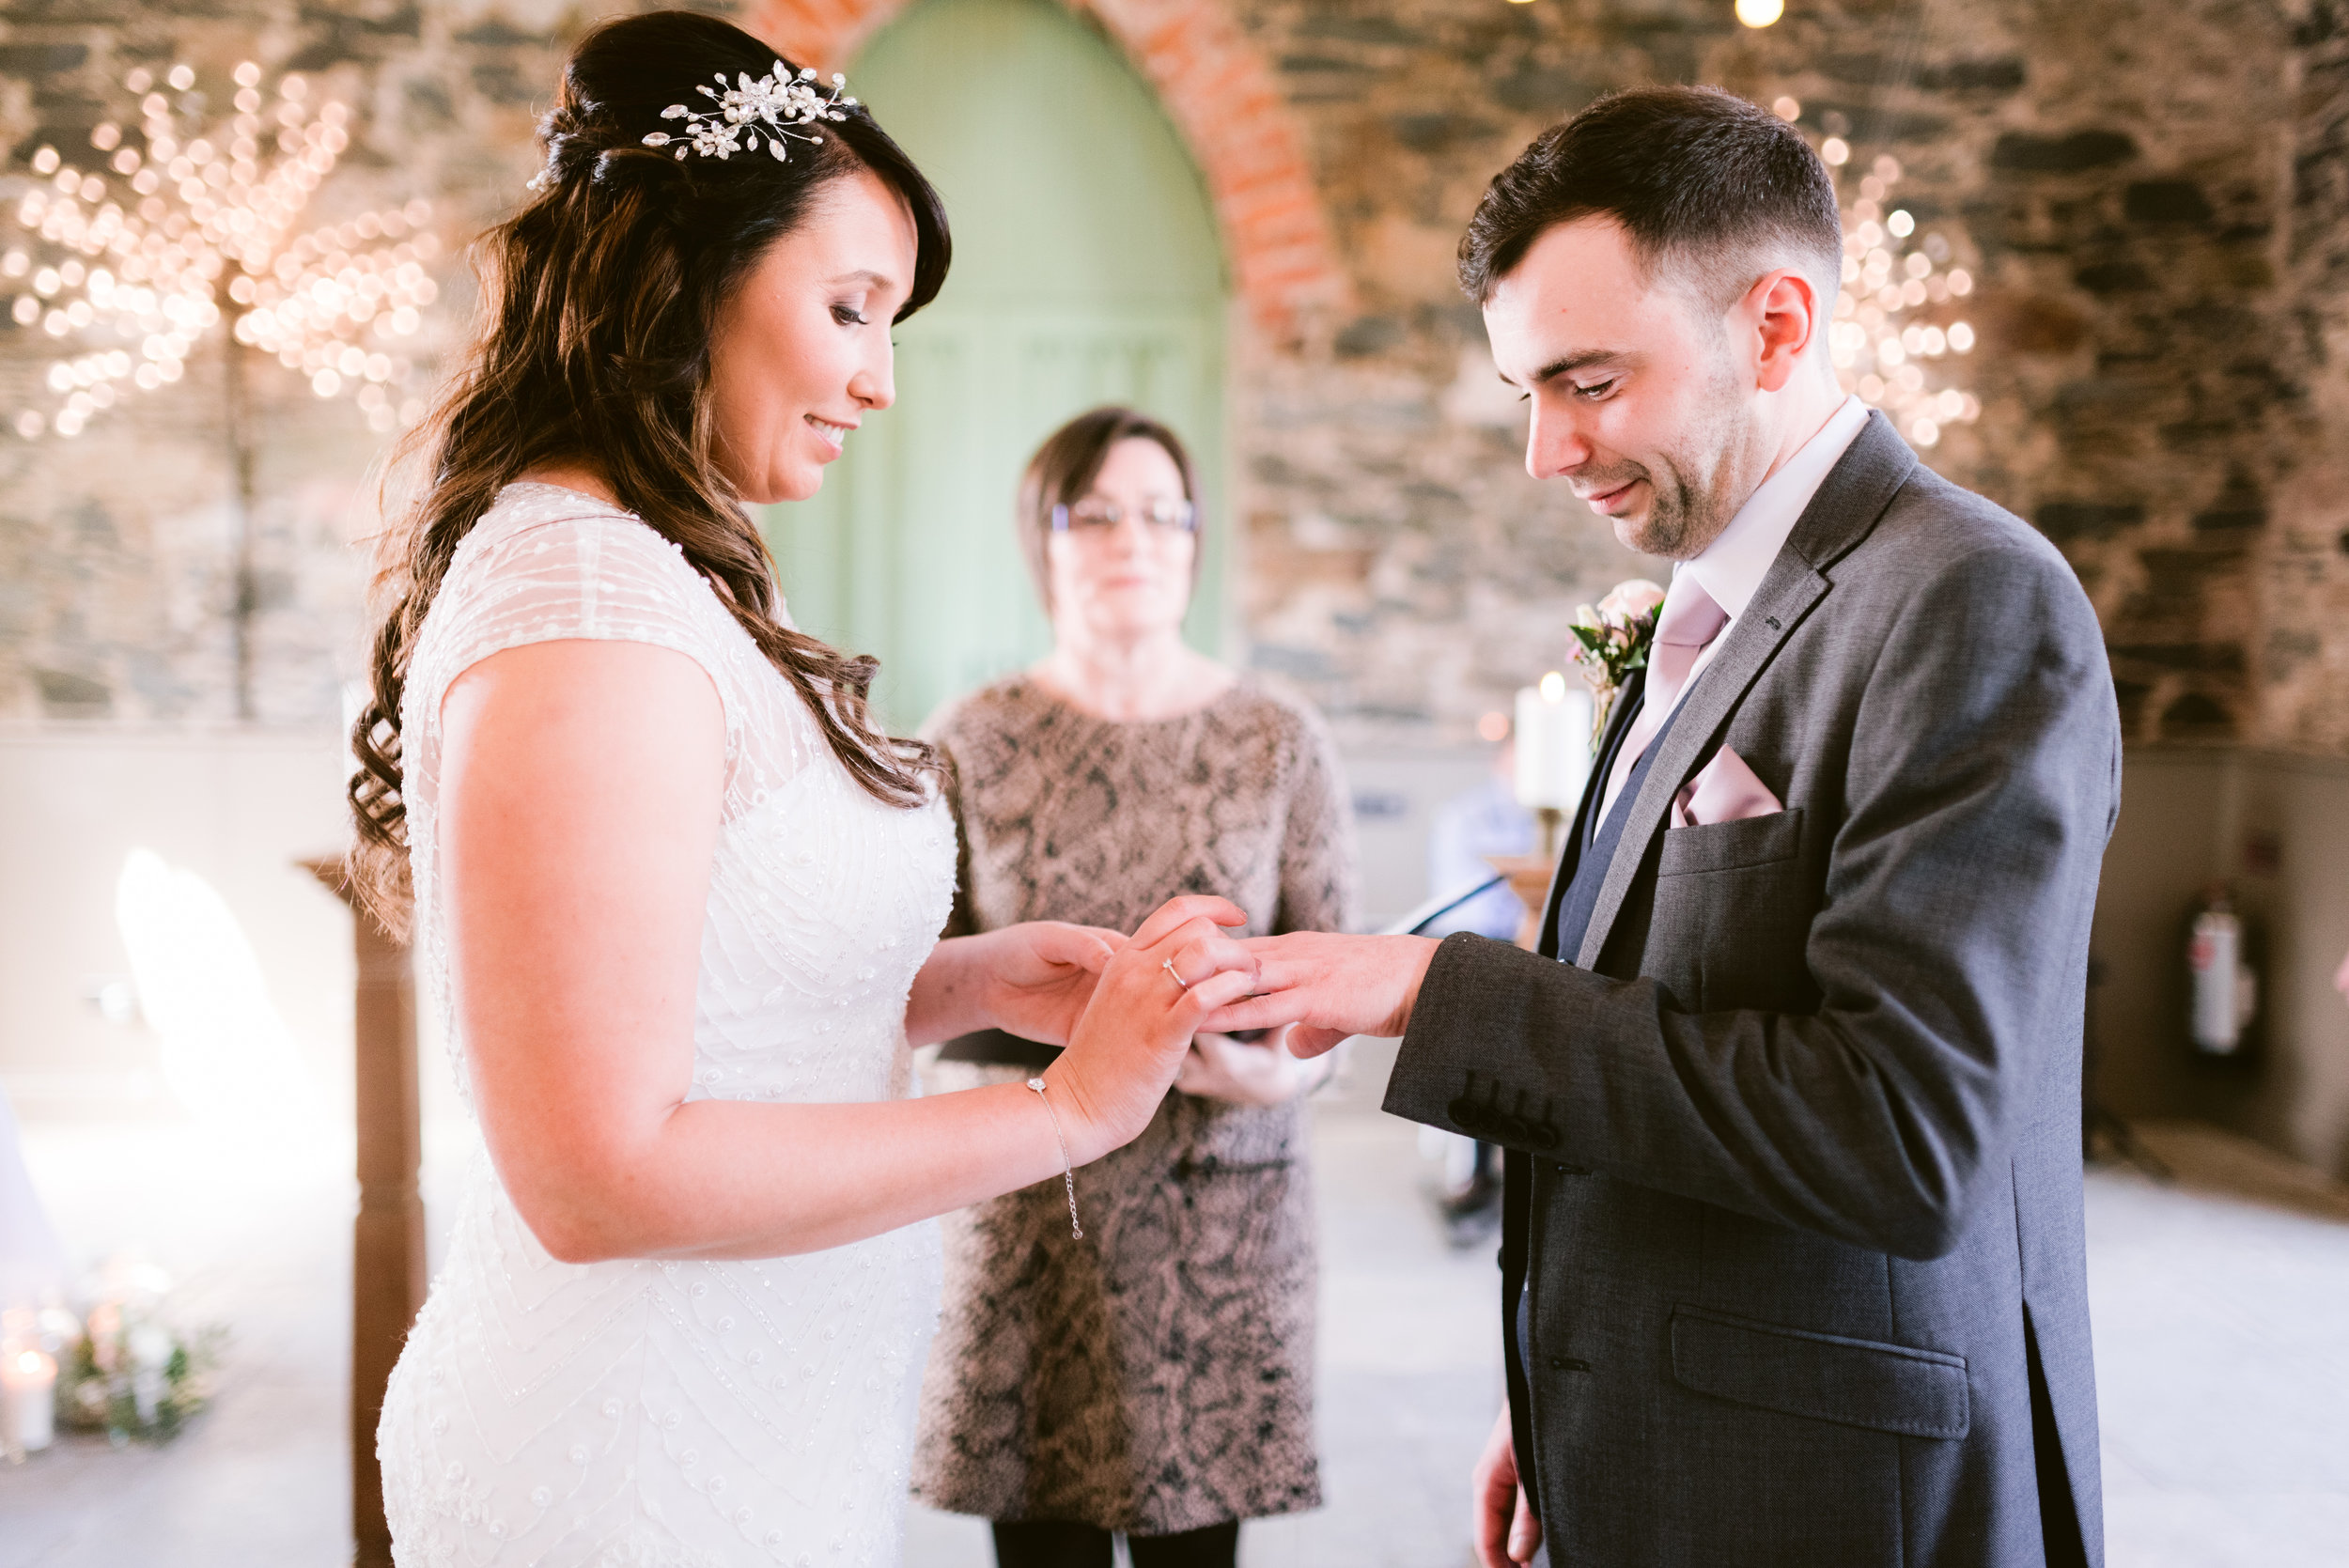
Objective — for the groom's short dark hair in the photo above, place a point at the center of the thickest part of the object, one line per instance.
(1701, 181)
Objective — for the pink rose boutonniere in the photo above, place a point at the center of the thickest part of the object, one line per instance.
(1615, 635)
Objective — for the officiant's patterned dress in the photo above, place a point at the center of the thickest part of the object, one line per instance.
(1155, 1376)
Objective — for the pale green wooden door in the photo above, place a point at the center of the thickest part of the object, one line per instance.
(1086, 270)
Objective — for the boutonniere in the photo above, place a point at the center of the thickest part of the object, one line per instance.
(1615, 635)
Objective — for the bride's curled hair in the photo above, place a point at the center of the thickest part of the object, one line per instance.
(599, 298)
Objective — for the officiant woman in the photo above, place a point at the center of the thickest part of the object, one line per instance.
(1154, 1377)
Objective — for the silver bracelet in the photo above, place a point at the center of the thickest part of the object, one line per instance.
(1067, 1171)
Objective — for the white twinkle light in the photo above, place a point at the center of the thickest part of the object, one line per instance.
(183, 227)
(1880, 350)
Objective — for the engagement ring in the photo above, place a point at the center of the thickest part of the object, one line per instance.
(1168, 966)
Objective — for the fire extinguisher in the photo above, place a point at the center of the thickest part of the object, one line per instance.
(2226, 988)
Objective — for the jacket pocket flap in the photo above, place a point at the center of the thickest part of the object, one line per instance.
(1883, 1388)
(1726, 845)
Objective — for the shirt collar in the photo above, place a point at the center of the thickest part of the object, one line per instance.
(1730, 569)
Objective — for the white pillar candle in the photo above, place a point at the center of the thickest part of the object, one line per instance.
(150, 1357)
(1553, 744)
(28, 1400)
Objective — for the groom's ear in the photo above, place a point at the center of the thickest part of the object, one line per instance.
(1781, 315)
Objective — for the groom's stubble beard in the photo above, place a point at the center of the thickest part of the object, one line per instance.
(1696, 483)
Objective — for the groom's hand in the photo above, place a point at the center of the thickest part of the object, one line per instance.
(1504, 1528)
(1331, 986)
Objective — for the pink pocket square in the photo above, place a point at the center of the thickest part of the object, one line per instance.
(1724, 790)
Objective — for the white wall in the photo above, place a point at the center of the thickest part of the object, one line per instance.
(238, 807)
(1396, 792)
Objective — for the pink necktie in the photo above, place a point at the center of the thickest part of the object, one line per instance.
(1689, 622)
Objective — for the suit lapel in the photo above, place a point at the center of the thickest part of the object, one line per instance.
(1594, 791)
(1846, 506)
(1786, 596)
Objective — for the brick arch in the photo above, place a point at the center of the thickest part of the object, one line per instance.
(1222, 99)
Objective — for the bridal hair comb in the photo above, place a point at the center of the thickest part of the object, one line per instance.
(770, 107)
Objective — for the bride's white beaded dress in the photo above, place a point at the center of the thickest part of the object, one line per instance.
(657, 1413)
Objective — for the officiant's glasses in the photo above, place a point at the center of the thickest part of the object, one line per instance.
(1097, 518)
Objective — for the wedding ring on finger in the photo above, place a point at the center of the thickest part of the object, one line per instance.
(1174, 974)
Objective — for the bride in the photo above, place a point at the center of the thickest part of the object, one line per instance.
(677, 896)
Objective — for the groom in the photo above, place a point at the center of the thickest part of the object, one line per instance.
(1793, 1265)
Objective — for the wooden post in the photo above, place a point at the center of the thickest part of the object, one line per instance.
(387, 1276)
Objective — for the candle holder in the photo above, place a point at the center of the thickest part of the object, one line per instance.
(1550, 825)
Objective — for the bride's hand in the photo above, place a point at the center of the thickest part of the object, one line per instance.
(1124, 1052)
(1251, 1072)
(1041, 973)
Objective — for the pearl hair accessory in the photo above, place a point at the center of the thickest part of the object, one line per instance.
(775, 103)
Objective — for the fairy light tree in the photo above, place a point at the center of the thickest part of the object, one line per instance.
(182, 233)
(1888, 338)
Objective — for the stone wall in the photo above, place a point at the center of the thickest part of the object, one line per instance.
(117, 546)
(2155, 197)
(2305, 685)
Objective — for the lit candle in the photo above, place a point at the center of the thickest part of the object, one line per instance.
(28, 1400)
(150, 1357)
(1553, 751)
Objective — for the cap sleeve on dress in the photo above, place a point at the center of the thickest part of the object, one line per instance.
(602, 576)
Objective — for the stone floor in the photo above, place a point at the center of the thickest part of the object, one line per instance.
(2221, 1311)
(2221, 1308)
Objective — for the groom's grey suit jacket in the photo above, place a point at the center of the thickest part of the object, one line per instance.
(1793, 1251)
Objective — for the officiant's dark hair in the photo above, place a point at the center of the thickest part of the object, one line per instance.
(601, 297)
(1701, 180)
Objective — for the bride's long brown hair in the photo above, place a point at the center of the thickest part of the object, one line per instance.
(599, 298)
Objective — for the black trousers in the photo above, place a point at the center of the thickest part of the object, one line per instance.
(1064, 1543)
